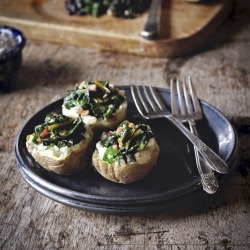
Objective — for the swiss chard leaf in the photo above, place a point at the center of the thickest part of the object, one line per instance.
(128, 138)
(97, 97)
(110, 154)
(61, 131)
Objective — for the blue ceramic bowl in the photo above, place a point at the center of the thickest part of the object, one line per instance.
(12, 42)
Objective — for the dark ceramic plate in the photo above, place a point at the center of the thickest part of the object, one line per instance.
(174, 176)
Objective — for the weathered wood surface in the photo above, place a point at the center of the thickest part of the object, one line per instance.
(179, 34)
(29, 220)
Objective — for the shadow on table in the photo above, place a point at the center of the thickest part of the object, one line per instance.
(45, 73)
(236, 22)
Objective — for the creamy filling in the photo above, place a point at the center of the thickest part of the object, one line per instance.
(101, 150)
(54, 152)
(51, 152)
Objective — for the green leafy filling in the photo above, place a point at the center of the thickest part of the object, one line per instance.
(118, 8)
(125, 141)
(98, 98)
(59, 130)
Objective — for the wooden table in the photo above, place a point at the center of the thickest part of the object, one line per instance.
(220, 71)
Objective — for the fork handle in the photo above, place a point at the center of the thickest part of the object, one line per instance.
(151, 28)
(214, 161)
(208, 179)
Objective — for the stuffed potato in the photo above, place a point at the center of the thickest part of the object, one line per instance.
(126, 155)
(100, 105)
(61, 144)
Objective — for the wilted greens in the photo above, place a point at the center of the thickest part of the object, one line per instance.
(59, 130)
(96, 98)
(117, 8)
(125, 141)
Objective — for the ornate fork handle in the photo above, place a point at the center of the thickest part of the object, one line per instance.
(208, 179)
(214, 161)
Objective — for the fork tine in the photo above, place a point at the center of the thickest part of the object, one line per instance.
(180, 97)
(157, 98)
(187, 98)
(145, 100)
(141, 99)
(138, 100)
(148, 102)
(196, 103)
(153, 106)
(174, 107)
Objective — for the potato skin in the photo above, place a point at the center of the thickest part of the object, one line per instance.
(132, 172)
(77, 160)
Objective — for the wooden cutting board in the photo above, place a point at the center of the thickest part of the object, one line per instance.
(184, 26)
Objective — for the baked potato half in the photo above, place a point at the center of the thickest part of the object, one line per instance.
(61, 144)
(100, 105)
(126, 155)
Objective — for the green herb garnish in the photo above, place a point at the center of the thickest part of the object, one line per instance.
(59, 130)
(125, 141)
(98, 98)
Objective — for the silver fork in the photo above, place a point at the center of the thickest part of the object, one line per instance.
(150, 106)
(151, 28)
(190, 110)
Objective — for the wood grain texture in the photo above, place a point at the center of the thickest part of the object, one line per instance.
(220, 72)
(180, 34)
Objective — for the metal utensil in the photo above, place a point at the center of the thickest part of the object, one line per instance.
(150, 106)
(151, 28)
(186, 107)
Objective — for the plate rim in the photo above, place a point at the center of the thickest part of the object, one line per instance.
(110, 208)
